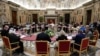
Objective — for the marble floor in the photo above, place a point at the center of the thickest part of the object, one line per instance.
(91, 51)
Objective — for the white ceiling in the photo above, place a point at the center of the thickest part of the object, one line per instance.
(50, 4)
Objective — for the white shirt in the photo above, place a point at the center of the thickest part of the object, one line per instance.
(12, 30)
(27, 26)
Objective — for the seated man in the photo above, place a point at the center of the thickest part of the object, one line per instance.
(43, 36)
(82, 28)
(13, 38)
(79, 37)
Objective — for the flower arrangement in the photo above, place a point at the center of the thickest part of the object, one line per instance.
(49, 32)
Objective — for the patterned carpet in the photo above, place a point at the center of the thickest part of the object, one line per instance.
(91, 51)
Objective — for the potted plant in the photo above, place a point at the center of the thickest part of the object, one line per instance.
(41, 19)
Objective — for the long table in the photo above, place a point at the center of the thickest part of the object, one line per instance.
(32, 39)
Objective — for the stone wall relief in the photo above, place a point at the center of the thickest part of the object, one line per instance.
(3, 19)
(99, 12)
(3, 16)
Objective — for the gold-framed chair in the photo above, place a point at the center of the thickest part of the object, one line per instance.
(81, 47)
(63, 47)
(42, 48)
(8, 45)
(96, 35)
(93, 42)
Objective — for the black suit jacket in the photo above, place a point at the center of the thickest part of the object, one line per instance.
(43, 36)
(12, 37)
(4, 32)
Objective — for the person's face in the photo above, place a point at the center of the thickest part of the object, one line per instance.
(6, 27)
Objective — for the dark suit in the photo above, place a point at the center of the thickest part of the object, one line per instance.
(34, 28)
(95, 24)
(79, 38)
(46, 26)
(4, 32)
(61, 37)
(43, 36)
(13, 38)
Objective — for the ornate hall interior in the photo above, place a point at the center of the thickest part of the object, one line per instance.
(29, 18)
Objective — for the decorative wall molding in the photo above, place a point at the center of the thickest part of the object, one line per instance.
(50, 4)
(13, 4)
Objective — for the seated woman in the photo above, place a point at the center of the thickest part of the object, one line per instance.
(95, 34)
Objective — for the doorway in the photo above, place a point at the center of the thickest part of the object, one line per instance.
(89, 14)
(14, 17)
(50, 21)
(67, 18)
(35, 18)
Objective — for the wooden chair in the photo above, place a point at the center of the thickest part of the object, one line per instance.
(81, 47)
(96, 35)
(8, 45)
(63, 47)
(42, 48)
(93, 42)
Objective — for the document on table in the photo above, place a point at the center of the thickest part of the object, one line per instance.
(69, 37)
(22, 36)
